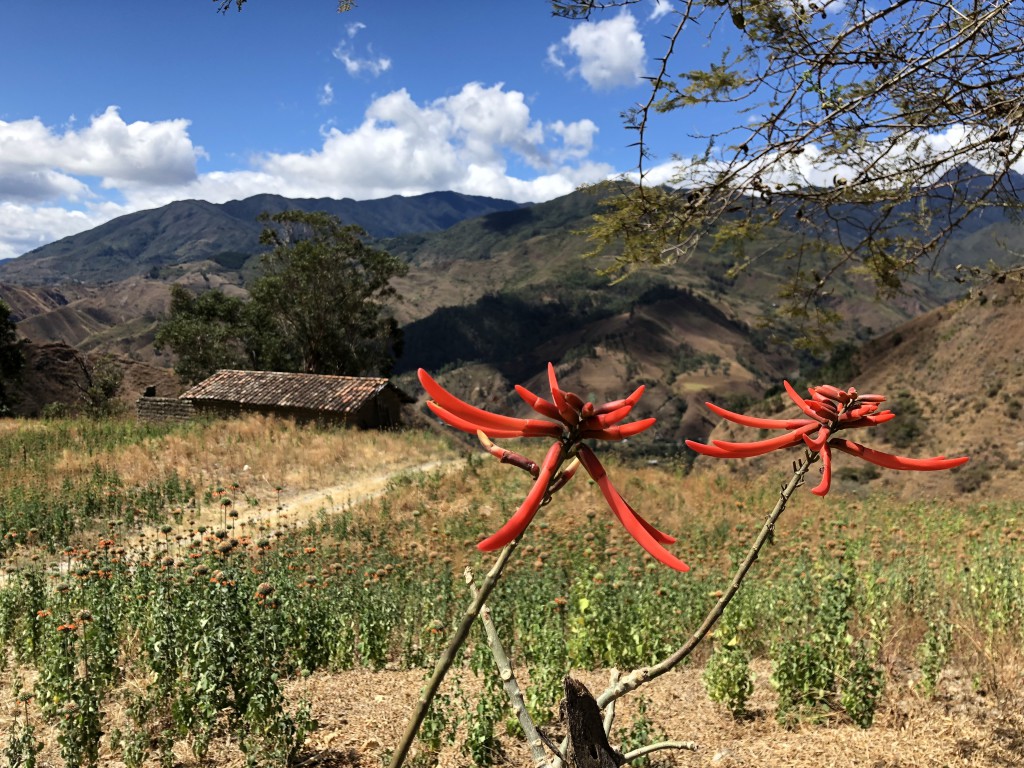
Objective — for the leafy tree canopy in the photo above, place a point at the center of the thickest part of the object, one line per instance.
(205, 332)
(318, 307)
(869, 130)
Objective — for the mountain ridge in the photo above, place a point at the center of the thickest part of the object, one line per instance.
(224, 234)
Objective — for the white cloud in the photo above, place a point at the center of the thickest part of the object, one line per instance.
(610, 52)
(660, 8)
(120, 153)
(356, 64)
(577, 137)
(326, 95)
(481, 140)
(24, 227)
(462, 142)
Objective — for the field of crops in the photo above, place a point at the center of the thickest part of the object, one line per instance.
(160, 597)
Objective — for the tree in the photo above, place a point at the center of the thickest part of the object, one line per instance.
(205, 332)
(12, 356)
(322, 293)
(317, 307)
(101, 380)
(868, 131)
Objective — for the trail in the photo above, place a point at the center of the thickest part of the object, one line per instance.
(295, 509)
(305, 505)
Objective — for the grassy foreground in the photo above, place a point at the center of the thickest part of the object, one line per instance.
(160, 591)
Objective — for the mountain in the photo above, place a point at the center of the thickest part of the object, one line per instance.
(490, 299)
(166, 241)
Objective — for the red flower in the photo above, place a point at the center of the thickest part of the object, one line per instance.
(826, 412)
(570, 420)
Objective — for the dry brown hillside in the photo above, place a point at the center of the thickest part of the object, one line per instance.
(956, 377)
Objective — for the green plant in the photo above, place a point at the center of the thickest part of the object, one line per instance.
(727, 677)
(934, 651)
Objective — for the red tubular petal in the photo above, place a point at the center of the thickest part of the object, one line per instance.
(565, 412)
(860, 410)
(605, 420)
(524, 515)
(833, 393)
(871, 398)
(595, 469)
(816, 443)
(564, 477)
(618, 433)
(612, 405)
(528, 428)
(711, 450)
(759, 447)
(815, 395)
(826, 410)
(759, 423)
(800, 402)
(635, 526)
(826, 473)
(484, 420)
(574, 401)
(890, 461)
(868, 421)
(538, 403)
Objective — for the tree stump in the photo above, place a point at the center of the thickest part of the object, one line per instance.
(588, 745)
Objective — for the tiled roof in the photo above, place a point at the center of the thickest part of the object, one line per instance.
(338, 394)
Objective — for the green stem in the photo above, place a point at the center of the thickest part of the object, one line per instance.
(447, 658)
(509, 682)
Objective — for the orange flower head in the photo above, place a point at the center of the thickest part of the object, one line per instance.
(827, 411)
(569, 420)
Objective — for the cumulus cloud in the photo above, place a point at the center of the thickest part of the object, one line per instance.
(608, 53)
(462, 142)
(24, 227)
(119, 153)
(481, 140)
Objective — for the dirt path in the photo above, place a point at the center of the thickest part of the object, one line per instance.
(305, 505)
(294, 509)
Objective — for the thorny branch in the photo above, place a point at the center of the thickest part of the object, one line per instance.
(865, 136)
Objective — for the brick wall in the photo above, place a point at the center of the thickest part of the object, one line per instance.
(163, 409)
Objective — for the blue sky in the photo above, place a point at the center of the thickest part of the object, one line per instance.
(112, 106)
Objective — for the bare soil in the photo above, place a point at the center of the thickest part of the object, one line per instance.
(362, 715)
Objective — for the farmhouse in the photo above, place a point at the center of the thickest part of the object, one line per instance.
(366, 402)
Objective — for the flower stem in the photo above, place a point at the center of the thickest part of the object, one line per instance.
(509, 682)
(446, 659)
(644, 674)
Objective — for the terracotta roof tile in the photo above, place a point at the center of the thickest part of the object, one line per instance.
(338, 394)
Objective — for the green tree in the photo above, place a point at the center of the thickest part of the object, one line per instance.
(12, 355)
(101, 380)
(205, 332)
(317, 307)
(321, 297)
(868, 131)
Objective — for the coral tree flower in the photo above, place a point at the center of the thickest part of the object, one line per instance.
(826, 412)
(569, 420)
